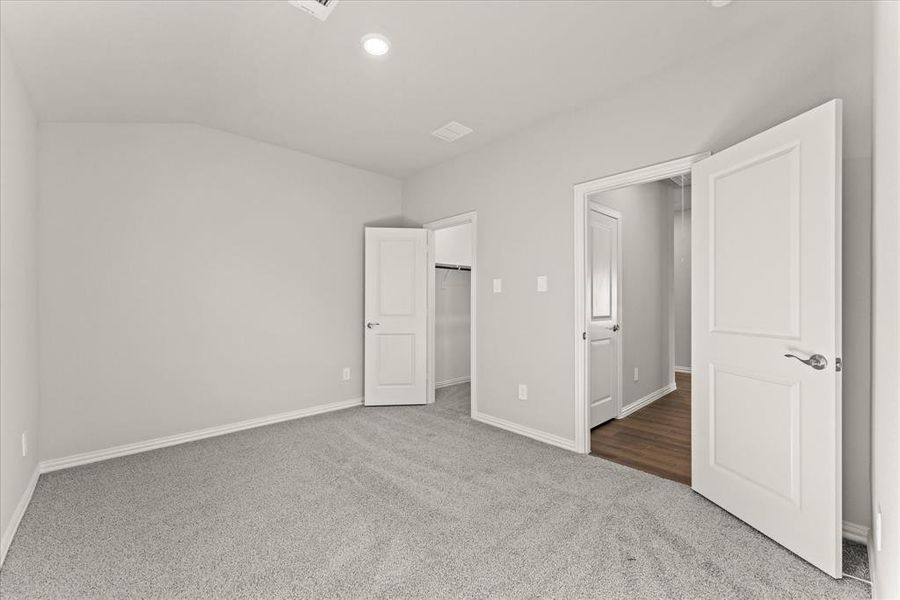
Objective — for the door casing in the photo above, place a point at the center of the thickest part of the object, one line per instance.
(582, 191)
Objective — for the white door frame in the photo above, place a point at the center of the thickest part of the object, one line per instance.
(462, 219)
(649, 174)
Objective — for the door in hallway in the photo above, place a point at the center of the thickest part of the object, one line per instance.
(602, 303)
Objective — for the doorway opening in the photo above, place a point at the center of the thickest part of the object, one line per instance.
(633, 308)
(451, 311)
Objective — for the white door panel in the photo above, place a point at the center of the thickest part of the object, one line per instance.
(603, 314)
(396, 316)
(766, 428)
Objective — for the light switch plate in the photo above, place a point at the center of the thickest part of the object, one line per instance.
(498, 286)
(542, 283)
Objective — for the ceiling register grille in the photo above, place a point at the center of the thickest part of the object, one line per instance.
(451, 131)
(320, 9)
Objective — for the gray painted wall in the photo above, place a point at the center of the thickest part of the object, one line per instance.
(192, 278)
(682, 223)
(452, 325)
(646, 230)
(522, 189)
(18, 289)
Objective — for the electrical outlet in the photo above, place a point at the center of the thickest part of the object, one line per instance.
(24, 443)
(542, 283)
(523, 391)
(345, 375)
(635, 373)
(498, 286)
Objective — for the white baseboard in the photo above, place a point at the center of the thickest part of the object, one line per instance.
(547, 438)
(17, 515)
(454, 381)
(682, 369)
(648, 399)
(97, 455)
(856, 533)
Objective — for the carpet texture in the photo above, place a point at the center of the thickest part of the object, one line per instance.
(390, 502)
(856, 560)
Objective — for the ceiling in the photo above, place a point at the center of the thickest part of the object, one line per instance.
(269, 71)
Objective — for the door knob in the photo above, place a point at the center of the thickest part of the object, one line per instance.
(615, 327)
(816, 361)
(372, 324)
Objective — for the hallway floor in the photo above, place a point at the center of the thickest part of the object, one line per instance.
(656, 439)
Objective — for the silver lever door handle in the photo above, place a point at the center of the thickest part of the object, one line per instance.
(372, 324)
(816, 361)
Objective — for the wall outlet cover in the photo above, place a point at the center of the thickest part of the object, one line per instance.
(635, 373)
(523, 391)
(346, 374)
(498, 286)
(542, 283)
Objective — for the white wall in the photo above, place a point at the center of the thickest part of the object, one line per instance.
(522, 190)
(453, 245)
(646, 230)
(18, 293)
(886, 300)
(192, 278)
(683, 285)
(452, 325)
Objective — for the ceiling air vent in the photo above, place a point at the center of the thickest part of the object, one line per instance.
(320, 9)
(451, 132)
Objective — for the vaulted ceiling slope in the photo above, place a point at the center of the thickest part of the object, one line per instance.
(266, 70)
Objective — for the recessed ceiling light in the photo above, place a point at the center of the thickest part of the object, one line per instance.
(719, 3)
(376, 44)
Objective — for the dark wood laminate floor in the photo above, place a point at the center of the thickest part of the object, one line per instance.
(655, 439)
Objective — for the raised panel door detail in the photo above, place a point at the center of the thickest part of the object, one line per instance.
(601, 271)
(755, 247)
(755, 430)
(397, 277)
(602, 376)
(396, 359)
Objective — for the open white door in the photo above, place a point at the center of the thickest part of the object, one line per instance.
(602, 304)
(396, 316)
(766, 427)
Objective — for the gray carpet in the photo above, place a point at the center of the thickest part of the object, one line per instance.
(856, 560)
(415, 502)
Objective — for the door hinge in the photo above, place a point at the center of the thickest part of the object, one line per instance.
(838, 366)
(584, 335)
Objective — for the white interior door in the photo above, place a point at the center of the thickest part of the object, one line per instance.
(766, 427)
(396, 316)
(602, 304)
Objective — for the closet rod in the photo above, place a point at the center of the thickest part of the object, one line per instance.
(452, 267)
